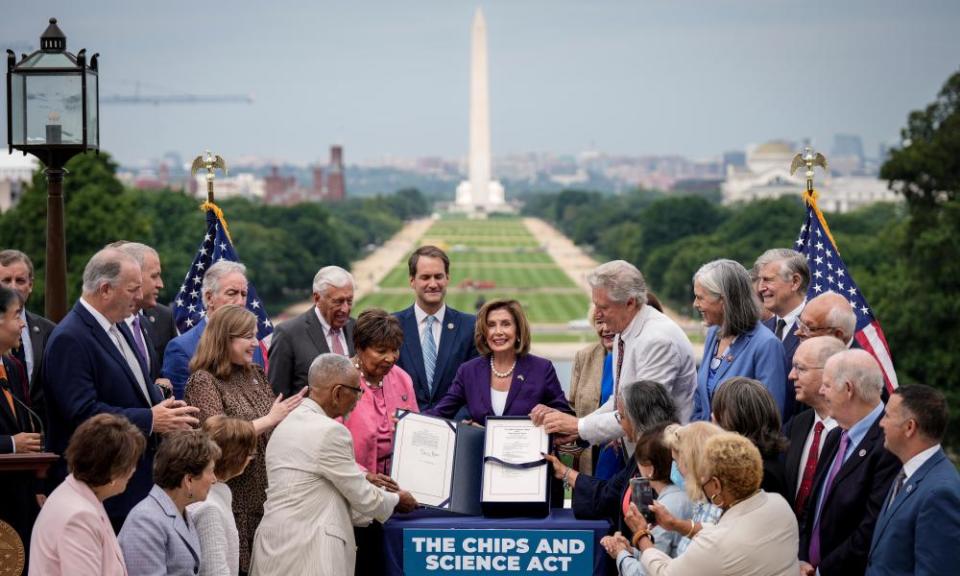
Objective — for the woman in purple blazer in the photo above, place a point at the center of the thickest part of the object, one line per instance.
(505, 380)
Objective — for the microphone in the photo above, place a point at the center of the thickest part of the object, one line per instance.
(34, 416)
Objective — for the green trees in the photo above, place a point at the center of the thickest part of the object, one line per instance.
(282, 246)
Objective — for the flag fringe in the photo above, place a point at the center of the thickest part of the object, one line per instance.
(219, 213)
(810, 198)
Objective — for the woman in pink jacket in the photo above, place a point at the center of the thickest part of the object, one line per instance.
(73, 535)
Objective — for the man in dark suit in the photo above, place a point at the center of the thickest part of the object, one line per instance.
(163, 328)
(917, 529)
(136, 327)
(784, 276)
(16, 273)
(854, 473)
(325, 327)
(808, 430)
(90, 367)
(436, 338)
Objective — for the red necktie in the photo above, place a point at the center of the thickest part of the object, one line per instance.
(6, 393)
(335, 341)
(619, 363)
(806, 484)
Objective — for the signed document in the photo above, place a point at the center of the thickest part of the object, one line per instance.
(514, 469)
(423, 457)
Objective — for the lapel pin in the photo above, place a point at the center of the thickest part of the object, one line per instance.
(36, 329)
(520, 377)
(910, 488)
(403, 397)
(450, 326)
(153, 318)
(729, 357)
(863, 452)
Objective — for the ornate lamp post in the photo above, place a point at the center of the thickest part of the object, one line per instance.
(53, 112)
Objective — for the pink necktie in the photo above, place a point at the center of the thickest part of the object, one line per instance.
(335, 341)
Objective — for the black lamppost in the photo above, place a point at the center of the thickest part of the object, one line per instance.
(53, 112)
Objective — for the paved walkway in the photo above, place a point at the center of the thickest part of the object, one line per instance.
(369, 271)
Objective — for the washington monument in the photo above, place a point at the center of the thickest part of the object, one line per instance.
(479, 193)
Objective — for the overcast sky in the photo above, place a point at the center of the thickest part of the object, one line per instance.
(693, 77)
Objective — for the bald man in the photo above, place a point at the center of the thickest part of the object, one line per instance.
(829, 314)
(808, 430)
(854, 473)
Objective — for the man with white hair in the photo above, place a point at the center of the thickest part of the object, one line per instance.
(648, 346)
(829, 314)
(90, 367)
(224, 283)
(317, 492)
(854, 473)
(325, 327)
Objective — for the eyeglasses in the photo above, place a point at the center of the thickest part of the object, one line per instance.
(356, 389)
(804, 369)
(805, 329)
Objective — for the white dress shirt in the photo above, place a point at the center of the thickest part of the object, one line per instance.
(828, 425)
(422, 322)
(918, 460)
(790, 320)
(26, 344)
(326, 333)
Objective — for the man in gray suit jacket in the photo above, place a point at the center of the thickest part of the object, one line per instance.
(16, 273)
(325, 327)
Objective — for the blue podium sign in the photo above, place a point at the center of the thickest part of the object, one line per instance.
(493, 552)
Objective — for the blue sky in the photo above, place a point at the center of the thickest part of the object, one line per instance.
(631, 77)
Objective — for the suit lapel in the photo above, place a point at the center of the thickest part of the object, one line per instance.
(5, 412)
(411, 337)
(908, 489)
(107, 343)
(732, 353)
(315, 331)
(37, 340)
(798, 436)
(860, 452)
(448, 329)
(348, 336)
(485, 388)
(519, 379)
(179, 524)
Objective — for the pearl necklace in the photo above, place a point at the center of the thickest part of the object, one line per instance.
(506, 374)
(372, 386)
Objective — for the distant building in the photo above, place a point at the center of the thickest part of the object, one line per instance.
(243, 185)
(328, 184)
(767, 175)
(16, 171)
(846, 156)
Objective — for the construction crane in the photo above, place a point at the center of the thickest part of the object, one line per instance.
(158, 100)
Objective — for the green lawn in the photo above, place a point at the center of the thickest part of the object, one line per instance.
(539, 307)
(512, 276)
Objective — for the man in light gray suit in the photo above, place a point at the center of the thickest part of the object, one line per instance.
(326, 327)
(317, 491)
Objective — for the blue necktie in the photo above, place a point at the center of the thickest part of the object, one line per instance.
(429, 351)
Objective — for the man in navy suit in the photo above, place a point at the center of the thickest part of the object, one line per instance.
(784, 276)
(917, 529)
(436, 338)
(90, 368)
(854, 472)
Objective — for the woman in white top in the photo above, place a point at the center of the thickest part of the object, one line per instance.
(213, 517)
(756, 535)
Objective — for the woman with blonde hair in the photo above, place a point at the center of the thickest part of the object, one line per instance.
(756, 534)
(225, 380)
(213, 518)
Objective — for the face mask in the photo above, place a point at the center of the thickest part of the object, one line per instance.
(675, 476)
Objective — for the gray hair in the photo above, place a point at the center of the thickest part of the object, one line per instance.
(647, 404)
(825, 347)
(862, 371)
(216, 273)
(327, 369)
(331, 276)
(844, 319)
(105, 267)
(730, 281)
(621, 279)
(136, 249)
(791, 262)
(12, 256)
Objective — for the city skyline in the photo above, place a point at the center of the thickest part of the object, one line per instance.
(624, 78)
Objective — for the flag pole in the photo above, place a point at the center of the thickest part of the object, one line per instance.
(811, 159)
(211, 163)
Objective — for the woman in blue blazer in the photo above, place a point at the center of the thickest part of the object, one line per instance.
(505, 380)
(737, 343)
(158, 537)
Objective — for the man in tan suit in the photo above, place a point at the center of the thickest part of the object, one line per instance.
(316, 490)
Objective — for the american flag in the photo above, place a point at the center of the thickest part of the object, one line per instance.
(828, 273)
(216, 246)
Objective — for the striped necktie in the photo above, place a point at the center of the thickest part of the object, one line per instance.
(429, 351)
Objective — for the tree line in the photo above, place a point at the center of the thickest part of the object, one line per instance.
(283, 246)
(905, 257)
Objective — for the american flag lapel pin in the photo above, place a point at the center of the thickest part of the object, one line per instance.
(450, 326)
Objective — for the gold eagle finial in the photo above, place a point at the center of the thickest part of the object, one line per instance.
(210, 163)
(808, 158)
